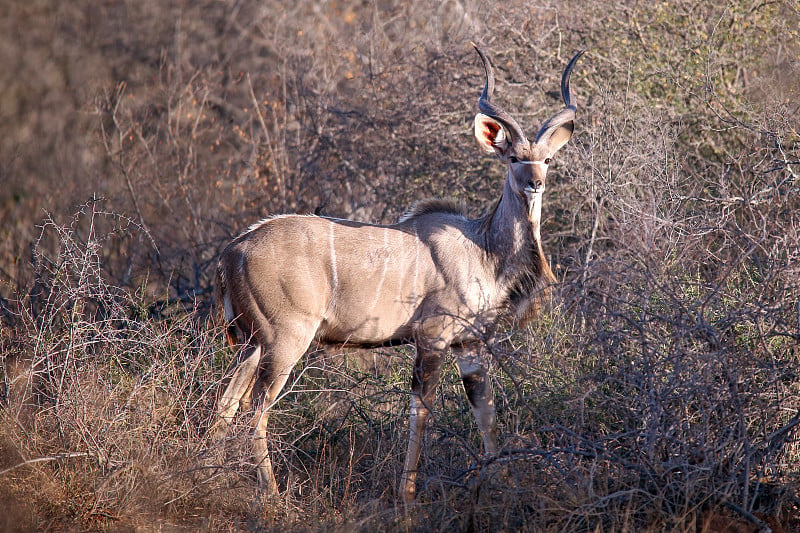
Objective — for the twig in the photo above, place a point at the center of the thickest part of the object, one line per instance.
(44, 459)
(750, 517)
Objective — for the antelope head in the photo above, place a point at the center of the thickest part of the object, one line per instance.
(497, 132)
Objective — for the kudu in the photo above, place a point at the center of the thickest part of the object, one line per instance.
(436, 278)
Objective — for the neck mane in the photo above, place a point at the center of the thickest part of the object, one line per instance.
(513, 244)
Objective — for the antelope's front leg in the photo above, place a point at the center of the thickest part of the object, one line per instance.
(478, 388)
(427, 368)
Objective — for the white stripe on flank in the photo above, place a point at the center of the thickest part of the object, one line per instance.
(385, 268)
(416, 268)
(334, 273)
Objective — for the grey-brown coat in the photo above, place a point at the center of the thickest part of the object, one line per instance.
(437, 278)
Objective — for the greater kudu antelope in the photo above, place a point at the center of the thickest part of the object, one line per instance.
(437, 279)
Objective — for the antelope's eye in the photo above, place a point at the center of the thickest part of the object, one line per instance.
(547, 160)
(513, 159)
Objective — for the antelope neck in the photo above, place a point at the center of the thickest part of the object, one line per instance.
(512, 229)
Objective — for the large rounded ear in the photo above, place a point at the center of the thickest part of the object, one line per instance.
(491, 135)
(557, 130)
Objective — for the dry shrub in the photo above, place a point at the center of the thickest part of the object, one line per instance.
(103, 403)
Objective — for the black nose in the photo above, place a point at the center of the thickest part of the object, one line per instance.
(536, 184)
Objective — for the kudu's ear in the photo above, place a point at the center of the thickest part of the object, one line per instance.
(557, 130)
(491, 135)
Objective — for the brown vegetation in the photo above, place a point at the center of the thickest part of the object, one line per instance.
(660, 391)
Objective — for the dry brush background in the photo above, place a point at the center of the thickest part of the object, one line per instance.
(660, 392)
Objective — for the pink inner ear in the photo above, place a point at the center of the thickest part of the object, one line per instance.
(491, 130)
(488, 131)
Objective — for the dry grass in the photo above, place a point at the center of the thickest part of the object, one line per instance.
(660, 392)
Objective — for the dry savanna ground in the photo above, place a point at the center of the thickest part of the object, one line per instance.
(658, 392)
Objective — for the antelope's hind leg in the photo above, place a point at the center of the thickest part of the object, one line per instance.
(273, 372)
(239, 389)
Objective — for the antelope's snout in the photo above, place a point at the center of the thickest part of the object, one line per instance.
(534, 186)
(531, 178)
